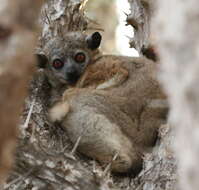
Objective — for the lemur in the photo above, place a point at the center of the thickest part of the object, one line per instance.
(114, 103)
(67, 63)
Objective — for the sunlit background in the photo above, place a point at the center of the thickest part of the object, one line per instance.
(111, 18)
(124, 32)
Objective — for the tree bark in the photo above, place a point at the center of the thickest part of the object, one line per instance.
(45, 158)
(160, 167)
(177, 33)
(60, 17)
(17, 41)
(140, 20)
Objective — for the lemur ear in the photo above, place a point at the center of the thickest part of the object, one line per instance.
(42, 60)
(94, 40)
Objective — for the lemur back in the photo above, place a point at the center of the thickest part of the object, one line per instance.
(122, 120)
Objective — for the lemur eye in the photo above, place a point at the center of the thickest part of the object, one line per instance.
(58, 64)
(80, 57)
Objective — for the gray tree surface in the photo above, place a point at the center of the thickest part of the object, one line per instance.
(177, 35)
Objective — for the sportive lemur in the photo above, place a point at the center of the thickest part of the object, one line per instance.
(114, 103)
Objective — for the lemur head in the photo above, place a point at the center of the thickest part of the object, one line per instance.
(65, 59)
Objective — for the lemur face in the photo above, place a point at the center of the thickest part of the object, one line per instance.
(66, 59)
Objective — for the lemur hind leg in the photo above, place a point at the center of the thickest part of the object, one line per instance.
(102, 139)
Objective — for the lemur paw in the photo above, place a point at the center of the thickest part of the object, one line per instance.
(59, 111)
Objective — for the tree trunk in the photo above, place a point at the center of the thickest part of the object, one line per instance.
(177, 33)
(160, 167)
(17, 41)
(60, 17)
(140, 19)
(45, 158)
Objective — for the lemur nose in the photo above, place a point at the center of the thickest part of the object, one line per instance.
(71, 70)
(72, 75)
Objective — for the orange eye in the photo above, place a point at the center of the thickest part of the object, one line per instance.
(80, 57)
(58, 64)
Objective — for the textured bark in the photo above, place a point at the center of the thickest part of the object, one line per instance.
(59, 17)
(17, 40)
(160, 168)
(159, 171)
(140, 19)
(177, 33)
(45, 158)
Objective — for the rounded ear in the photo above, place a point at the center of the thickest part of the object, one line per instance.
(42, 60)
(94, 40)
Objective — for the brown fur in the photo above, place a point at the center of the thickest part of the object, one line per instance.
(122, 118)
(103, 71)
